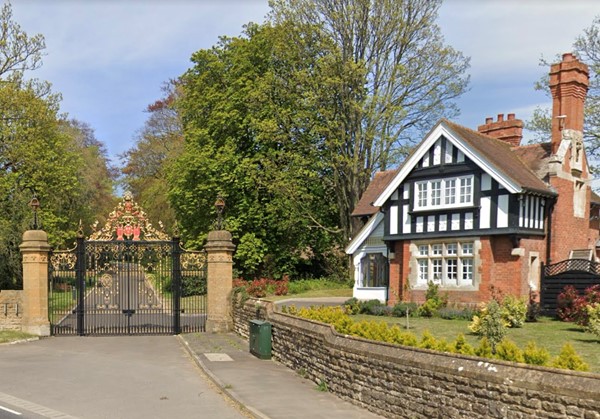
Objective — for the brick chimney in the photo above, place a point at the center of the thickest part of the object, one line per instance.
(569, 81)
(509, 130)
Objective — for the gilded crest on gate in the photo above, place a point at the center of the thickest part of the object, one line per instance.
(127, 221)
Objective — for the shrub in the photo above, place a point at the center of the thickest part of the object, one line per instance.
(507, 350)
(569, 360)
(535, 356)
(514, 311)
(400, 309)
(428, 341)
(460, 346)
(352, 306)
(428, 308)
(572, 307)
(593, 319)
(490, 324)
(566, 310)
(373, 307)
(484, 349)
(450, 313)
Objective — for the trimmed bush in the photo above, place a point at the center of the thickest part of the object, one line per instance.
(569, 360)
(400, 309)
(507, 350)
(450, 313)
(460, 346)
(535, 356)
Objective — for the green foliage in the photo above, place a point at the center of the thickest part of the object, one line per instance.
(490, 324)
(534, 355)
(593, 325)
(428, 341)
(514, 311)
(400, 309)
(450, 313)
(253, 135)
(433, 301)
(507, 350)
(388, 77)
(460, 346)
(381, 331)
(484, 349)
(569, 360)
(352, 305)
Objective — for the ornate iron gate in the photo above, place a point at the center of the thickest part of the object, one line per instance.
(127, 279)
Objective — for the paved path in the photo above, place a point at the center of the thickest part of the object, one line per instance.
(108, 377)
(268, 389)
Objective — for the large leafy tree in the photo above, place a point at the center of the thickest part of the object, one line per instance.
(146, 164)
(394, 78)
(40, 154)
(251, 109)
(587, 49)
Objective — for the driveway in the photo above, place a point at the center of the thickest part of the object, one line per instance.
(107, 377)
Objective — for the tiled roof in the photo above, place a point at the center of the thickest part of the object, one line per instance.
(512, 165)
(375, 188)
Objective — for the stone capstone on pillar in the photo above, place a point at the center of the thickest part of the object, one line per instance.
(219, 249)
(35, 250)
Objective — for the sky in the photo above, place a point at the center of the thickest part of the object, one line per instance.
(109, 58)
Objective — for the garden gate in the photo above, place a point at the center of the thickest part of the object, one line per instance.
(580, 273)
(127, 279)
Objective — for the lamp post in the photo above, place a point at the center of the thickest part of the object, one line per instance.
(219, 206)
(35, 205)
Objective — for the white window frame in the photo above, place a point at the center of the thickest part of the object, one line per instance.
(448, 263)
(455, 192)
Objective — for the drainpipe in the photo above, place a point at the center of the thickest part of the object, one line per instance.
(551, 202)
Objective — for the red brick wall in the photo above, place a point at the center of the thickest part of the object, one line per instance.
(499, 271)
(569, 232)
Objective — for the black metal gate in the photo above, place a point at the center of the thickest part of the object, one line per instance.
(580, 273)
(128, 285)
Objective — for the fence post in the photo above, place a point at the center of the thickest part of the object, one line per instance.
(35, 250)
(219, 249)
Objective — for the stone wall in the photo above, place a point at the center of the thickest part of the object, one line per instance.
(11, 309)
(395, 381)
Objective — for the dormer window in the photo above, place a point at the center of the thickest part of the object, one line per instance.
(444, 193)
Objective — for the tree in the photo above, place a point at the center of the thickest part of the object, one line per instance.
(587, 49)
(251, 109)
(18, 51)
(146, 164)
(394, 77)
(35, 158)
(58, 161)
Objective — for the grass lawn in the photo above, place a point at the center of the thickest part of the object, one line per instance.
(13, 335)
(548, 333)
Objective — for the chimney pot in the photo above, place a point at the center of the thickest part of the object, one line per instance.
(509, 131)
(511, 116)
(500, 117)
(568, 56)
(489, 120)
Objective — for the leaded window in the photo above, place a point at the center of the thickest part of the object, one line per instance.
(445, 263)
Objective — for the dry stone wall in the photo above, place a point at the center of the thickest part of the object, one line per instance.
(395, 381)
(11, 309)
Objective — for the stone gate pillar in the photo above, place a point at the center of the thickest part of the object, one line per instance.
(219, 249)
(35, 251)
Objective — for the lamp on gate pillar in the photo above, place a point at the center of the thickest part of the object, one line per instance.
(35, 205)
(219, 206)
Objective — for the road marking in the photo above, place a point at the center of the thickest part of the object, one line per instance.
(35, 408)
(14, 412)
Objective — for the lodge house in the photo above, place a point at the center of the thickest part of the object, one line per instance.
(477, 212)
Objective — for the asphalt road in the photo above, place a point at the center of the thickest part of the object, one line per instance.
(106, 377)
